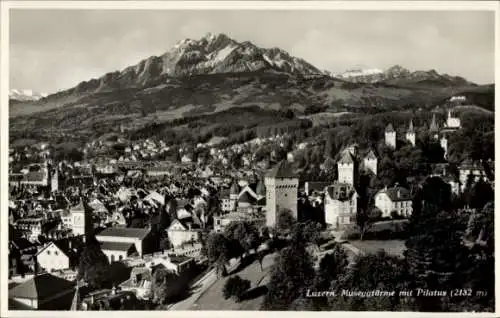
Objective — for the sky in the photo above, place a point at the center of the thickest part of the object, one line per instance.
(55, 49)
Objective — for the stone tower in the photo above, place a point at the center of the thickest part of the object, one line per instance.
(370, 162)
(390, 137)
(281, 192)
(81, 220)
(346, 168)
(410, 134)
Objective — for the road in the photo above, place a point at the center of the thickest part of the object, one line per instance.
(212, 298)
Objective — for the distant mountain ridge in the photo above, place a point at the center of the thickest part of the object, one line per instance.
(400, 75)
(25, 95)
(212, 54)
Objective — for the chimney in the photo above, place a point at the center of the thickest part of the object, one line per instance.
(399, 193)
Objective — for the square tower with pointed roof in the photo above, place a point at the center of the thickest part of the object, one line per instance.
(390, 136)
(410, 134)
(346, 167)
(281, 185)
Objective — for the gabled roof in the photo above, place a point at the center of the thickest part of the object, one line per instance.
(41, 287)
(245, 197)
(341, 191)
(389, 128)
(139, 233)
(346, 158)
(371, 155)
(64, 251)
(397, 193)
(282, 170)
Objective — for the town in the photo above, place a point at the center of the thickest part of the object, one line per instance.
(131, 231)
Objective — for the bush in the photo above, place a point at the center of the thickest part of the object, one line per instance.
(235, 287)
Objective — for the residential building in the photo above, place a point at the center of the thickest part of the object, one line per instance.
(315, 187)
(54, 256)
(452, 122)
(341, 205)
(470, 169)
(222, 221)
(42, 292)
(182, 231)
(281, 192)
(118, 243)
(396, 199)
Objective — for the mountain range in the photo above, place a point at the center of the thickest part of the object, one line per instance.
(398, 74)
(216, 73)
(25, 95)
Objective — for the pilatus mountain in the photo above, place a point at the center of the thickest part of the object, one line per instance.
(219, 75)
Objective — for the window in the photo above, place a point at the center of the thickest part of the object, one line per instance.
(120, 257)
(48, 252)
(56, 253)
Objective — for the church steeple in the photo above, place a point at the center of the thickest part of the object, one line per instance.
(434, 129)
(410, 128)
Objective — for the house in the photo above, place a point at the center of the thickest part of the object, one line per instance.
(118, 243)
(311, 187)
(42, 292)
(182, 231)
(341, 205)
(396, 199)
(472, 170)
(55, 256)
(179, 271)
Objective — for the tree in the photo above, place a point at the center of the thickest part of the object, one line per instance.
(218, 252)
(235, 287)
(378, 271)
(435, 254)
(94, 266)
(285, 221)
(331, 268)
(245, 233)
(312, 232)
(291, 274)
(365, 219)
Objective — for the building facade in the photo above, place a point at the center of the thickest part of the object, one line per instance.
(281, 192)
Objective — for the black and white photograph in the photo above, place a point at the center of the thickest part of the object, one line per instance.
(248, 156)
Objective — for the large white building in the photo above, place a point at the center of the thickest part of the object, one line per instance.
(452, 122)
(281, 192)
(118, 243)
(341, 205)
(52, 257)
(396, 199)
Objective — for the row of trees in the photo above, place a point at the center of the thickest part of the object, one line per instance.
(446, 250)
